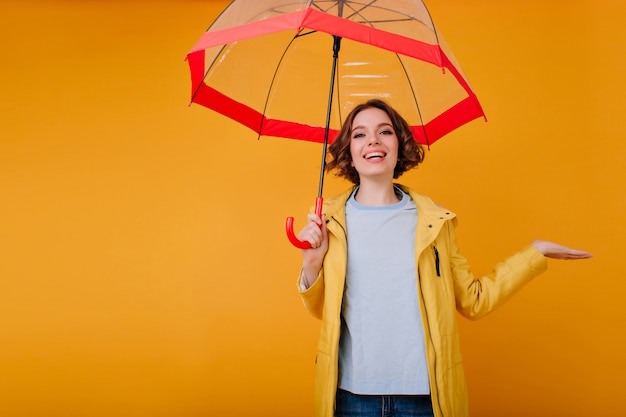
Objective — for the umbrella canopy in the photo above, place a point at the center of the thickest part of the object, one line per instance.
(266, 64)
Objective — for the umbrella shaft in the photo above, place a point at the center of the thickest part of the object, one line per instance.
(336, 47)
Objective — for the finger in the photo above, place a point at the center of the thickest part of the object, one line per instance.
(311, 226)
(312, 234)
(577, 254)
(571, 255)
(314, 218)
(580, 255)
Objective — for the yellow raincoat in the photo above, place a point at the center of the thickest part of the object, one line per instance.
(445, 285)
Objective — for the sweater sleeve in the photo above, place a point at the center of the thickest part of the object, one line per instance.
(477, 297)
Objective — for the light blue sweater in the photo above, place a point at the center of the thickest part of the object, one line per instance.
(382, 348)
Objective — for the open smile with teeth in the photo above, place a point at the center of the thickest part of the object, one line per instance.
(375, 155)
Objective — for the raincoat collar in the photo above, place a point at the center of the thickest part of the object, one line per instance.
(430, 218)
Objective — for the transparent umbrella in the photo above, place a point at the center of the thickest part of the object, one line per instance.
(294, 69)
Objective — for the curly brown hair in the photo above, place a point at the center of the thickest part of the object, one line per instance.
(410, 153)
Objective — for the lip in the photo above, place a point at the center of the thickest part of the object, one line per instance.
(381, 155)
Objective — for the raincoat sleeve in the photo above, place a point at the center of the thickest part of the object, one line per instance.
(476, 297)
(313, 297)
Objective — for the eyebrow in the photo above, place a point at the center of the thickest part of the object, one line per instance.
(378, 127)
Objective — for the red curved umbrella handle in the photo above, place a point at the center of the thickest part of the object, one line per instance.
(302, 244)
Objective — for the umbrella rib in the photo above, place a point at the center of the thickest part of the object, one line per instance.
(362, 6)
(432, 22)
(348, 4)
(358, 12)
(206, 73)
(269, 90)
(417, 106)
(317, 6)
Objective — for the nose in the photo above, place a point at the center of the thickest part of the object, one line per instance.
(373, 140)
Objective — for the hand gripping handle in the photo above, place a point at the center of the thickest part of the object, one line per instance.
(302, 244)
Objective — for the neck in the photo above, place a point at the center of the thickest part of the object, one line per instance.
(376, 194)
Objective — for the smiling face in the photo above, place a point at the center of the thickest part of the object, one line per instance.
(374, 112)
(373, 145)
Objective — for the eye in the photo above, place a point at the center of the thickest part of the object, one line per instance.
(386, 132)
(358, 135)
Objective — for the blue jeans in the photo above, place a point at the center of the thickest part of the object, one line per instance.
(355, 405)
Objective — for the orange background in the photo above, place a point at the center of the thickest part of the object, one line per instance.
(143, 266)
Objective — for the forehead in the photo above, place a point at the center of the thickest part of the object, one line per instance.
(371, 116)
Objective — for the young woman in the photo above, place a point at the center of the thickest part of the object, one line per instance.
(385, 276)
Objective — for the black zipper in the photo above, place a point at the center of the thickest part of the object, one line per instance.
(339, 223)
(430, 335)
(437, 261)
